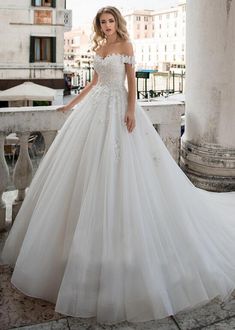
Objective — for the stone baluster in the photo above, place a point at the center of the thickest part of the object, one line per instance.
(23, 172)
(48, 139)
(4, 177)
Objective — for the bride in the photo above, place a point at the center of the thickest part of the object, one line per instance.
(110, 226)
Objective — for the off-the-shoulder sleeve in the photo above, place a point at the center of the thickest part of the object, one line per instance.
(128, 60)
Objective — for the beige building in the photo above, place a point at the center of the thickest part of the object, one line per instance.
(77, 48)
(78, 56)
(159, 37)
(32, 42)
(140, 23)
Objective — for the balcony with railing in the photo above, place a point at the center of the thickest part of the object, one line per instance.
(25, 122)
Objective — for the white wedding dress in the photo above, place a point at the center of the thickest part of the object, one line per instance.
(111, 227)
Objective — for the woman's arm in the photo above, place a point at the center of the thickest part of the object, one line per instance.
(81, 95)
(130, 72)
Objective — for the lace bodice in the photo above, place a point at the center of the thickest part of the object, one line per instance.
(111, 69)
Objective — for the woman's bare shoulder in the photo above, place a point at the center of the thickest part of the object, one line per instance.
(127, 48)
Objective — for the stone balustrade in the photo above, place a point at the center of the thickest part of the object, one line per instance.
(166, 116)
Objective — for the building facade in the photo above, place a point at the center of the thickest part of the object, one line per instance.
(159, 37)
(32, 43)
(78, 56)
(140, 24)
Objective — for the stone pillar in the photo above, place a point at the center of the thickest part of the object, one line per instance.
(208, 145)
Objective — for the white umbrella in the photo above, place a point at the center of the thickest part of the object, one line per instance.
(28, 91)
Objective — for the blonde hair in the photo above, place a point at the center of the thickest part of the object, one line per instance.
(99, 36)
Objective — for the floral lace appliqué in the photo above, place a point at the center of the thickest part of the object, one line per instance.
(116, 149)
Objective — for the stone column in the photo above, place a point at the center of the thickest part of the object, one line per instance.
(208, 145)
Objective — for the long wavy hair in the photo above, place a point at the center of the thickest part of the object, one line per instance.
(99, 36)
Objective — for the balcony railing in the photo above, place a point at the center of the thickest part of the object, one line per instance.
(165, 116)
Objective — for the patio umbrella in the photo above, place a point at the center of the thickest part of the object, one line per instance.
(28, 91)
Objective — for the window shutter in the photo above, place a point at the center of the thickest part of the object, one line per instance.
(33, 3)
(32, 50)
(53, 4)
(53, 49)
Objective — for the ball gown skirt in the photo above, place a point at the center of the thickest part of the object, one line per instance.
(111, 227)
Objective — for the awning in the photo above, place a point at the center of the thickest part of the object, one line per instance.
(28, 91)
(148, 70)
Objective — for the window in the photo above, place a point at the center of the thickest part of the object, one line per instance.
(138, 26)
(165, 48)
(146, 18)
(168, 16)
(175, 14)
(42, 49)
(138, 18)
(44, 3)
(174, 47)
(145, 27)
(160, 17)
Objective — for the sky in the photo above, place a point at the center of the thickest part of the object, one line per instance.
(84, 11)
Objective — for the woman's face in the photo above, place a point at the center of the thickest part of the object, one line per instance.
(108, 24)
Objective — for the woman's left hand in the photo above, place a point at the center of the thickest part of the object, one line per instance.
(130, 121)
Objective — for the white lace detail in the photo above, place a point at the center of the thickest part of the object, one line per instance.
(111, 70)
(116, 146)
(128, 60)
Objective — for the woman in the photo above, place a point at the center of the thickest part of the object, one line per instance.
(110, 226)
